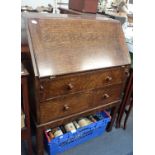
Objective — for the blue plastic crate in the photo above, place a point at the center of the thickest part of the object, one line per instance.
(83, 134)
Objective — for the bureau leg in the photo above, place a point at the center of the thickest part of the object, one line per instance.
(39, 141)
(113, 117)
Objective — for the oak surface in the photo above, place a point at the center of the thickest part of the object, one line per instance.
(63, 45)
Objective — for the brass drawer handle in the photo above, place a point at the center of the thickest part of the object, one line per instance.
(105, 96)
(66, 107)
(41, 87)
(70, 86)
(108, 78)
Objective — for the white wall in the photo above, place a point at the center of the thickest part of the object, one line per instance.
(36, 3)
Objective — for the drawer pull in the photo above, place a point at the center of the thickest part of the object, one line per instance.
(41, 87)
(108, 78)
(105, 96)
(66, 107)
(70, 86)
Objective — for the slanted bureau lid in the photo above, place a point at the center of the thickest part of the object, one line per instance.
(68, 44)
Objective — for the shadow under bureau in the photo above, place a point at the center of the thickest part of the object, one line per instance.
(80, 66)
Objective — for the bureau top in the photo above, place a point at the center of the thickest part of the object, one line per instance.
(68, 44)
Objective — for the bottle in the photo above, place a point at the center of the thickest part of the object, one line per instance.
(76, 124)
(70, 127)
(48, 137)
(50, 134)
(92, 118)
(84, 121)
(57, 132)
(62, 129)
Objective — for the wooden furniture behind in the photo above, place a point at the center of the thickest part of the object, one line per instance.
(84, 5)
(26, 131)
(80, 67)
(127, 101)
(69, 11)
(75, 12)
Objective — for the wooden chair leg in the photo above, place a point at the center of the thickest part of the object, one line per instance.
(120, 115)
(128, 113)
(124, 102)
(121, 110)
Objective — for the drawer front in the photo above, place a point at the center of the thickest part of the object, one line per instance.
(74, 103)
(63, 106)
(107, 95)
(81, 82)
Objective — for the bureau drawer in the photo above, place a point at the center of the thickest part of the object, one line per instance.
(107, 95)
(74, 103)
(63, 85)
(66, 105)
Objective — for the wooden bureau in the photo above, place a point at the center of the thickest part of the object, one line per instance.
(80, 67)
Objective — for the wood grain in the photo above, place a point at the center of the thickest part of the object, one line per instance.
(50, 88)
(78, 102)
(69, 45)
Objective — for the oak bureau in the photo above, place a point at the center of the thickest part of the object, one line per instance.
(80, 67)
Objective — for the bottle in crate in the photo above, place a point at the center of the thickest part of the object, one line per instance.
(57, 132)
(84, 121)
(70, 127)
(76, 124)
